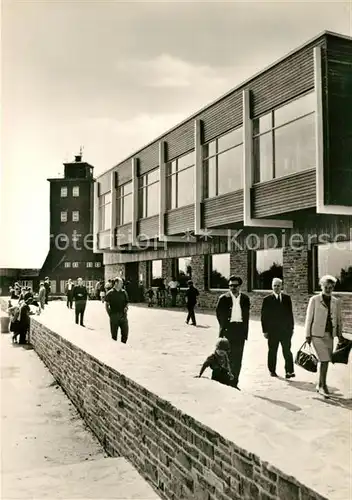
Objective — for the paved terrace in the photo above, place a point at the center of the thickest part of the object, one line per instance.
(283, 422)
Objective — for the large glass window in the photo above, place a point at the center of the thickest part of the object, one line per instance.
(219, 271)
(124, 204)
(334, 259)
(156, 272)
(284, 140)
(149, 194)
(267, 264)
(105, 212)
(180, 181)
(183, 271)
(223, 164)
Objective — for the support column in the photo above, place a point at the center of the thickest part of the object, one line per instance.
(113, 220)
(198, 177)
(96, 217)
(162, 195)
(134, 199)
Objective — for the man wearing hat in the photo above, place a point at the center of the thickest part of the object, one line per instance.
(232, 311)
(47, 289)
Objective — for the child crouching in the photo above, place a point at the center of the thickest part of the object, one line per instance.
(219, 363)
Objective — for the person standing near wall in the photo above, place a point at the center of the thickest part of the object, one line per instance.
(232, 312)
(47, 289)
(277, 325)
(116, 304)
(191, 301)
(80, 296)
(69, 293)
(173, 287)
(41, 295)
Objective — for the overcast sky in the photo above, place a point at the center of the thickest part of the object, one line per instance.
(112, 75)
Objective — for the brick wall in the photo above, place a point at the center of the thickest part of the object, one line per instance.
(180, 457)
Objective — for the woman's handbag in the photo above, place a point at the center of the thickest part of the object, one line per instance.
(342, 352)
(307, 360)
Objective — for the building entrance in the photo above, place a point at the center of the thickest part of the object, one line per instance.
(132, 282)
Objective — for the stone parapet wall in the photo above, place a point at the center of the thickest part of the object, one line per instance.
(179, 456)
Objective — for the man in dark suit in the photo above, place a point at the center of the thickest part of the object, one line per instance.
(69, 293)
(277, 324)
(80, 296)
(232, 311)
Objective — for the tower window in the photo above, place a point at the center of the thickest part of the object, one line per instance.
(63, 216)
(67, 264)
(98, 264)
(75, 216)
(89, 264)
(75, 191)
(64, 192)
(74, 264)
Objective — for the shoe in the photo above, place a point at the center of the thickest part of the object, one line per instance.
(273, 374)
(322, 392)
(326, 390)
(236, 387)
(290, 375)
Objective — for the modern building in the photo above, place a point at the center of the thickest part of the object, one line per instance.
(257, 184)
(71, 229)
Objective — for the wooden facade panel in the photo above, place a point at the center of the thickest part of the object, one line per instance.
(222, 116)
(287, 194)
(180, 220)
(124, 234)
(124, 172)
(148, 158)
(104, 239)
(338, 122)
(149, 228)
(222, 210)
(180, 140)
(104, 185)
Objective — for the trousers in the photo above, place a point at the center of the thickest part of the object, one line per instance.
(274, 340)
(118, 320)
(191, 316)
(236, 336)
(80, 307)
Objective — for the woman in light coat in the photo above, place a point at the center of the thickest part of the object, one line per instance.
(323, 323)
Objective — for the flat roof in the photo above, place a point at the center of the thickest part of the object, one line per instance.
(234, 89)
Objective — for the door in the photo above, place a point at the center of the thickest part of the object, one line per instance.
(132, 281)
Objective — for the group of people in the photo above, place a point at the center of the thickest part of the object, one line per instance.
(323, 323)
(162, 292)
(20, 312)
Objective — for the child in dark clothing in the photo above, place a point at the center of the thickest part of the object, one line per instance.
(219, 363)
(150, 295)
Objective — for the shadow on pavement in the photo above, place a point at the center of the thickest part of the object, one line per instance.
(307, 386)
(283, 404)
(336, 401)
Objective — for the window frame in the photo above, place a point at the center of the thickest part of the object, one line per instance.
(143, 188)
(102, 207)
(89, 264)
(253, 269)
(315, 270)
(67, 265)
(120, 203)
(216, 157)
(73, 216)
(210, 270)
(73, 191)
(271, 131)
(97, 264)
(63, 188)
(63, 219)
(170, 176)
(152, 279)
(75, 264)
(176, 270)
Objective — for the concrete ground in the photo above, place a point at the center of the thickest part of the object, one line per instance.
(284, 422)
(46, 449)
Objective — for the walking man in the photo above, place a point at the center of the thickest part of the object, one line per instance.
(191, 301)
(69, 293)
(47, 289)
(116, 304)
(80, 296)
(41, 295)
(277, 324)
(232, 311)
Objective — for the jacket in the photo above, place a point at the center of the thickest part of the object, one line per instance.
(316, 316)
(277, 317)
(224, 311)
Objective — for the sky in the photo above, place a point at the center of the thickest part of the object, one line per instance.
(112, 76)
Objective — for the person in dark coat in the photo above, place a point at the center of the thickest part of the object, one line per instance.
(69, 293)
(116, 305)
(47, 289)
(277, 325)
(80, 296)
(232, 312)
(219, 363)
(24, 320)
(191, 301)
